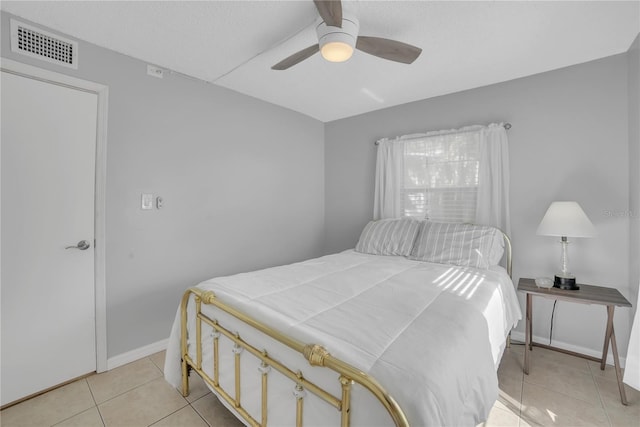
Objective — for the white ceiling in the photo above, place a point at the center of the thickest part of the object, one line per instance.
(234, 44)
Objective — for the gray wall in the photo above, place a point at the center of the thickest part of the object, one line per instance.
(242, 181)
(634, 168)
(569, 141)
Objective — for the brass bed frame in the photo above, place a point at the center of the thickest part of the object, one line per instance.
(315, 355)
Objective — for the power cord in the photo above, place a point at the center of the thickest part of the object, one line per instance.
(553, 310)
(552, 313)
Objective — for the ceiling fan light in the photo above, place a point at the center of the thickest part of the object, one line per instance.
(338, 43)
(336, 51)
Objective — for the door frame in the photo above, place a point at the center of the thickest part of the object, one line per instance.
(102, 92)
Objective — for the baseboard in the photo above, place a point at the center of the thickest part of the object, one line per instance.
(519, 336)
(138, 353)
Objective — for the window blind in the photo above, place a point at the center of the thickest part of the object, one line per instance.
(440, 181)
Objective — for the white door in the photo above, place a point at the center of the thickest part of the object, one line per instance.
(48, 182)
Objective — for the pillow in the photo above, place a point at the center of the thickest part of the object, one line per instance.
(388, 236)
(466, 245)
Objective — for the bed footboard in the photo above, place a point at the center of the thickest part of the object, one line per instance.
(315, 355)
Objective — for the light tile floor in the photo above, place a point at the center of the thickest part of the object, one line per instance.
(561, 390)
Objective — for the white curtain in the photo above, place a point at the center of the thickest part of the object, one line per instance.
(492, 203)
(484, 146)
(632, 366)
(389, 177)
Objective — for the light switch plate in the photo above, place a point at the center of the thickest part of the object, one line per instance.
(147, 201)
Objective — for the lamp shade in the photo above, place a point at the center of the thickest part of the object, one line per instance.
(566, 219)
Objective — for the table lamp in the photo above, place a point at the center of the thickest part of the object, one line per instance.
(565, 219)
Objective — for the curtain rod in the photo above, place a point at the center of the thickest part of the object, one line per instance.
(507, 126)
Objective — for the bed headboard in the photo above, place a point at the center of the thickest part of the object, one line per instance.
(507, 249)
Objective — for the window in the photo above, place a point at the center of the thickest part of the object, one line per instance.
(440, 181)
(457, 175)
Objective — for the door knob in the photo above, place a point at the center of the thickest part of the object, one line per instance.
(82, 245)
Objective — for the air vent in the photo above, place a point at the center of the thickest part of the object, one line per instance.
(36, 43)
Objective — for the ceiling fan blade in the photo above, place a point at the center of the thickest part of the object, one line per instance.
(296, 57)
(388, 49)
(330, 11)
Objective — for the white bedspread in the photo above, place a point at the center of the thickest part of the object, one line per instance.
(432, 334)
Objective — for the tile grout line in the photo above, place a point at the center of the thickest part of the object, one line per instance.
(185, 399)
(604, 407)
(167, 416)
(196, 411)
(131, 389)
(82, 411)
(137, 387)
(521, 395)
(156, 365)
(592, 376)
(95, 403)
(547, 387)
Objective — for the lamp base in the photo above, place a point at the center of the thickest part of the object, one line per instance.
(567, 283)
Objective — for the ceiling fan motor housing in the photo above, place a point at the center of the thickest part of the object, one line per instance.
(348, 34)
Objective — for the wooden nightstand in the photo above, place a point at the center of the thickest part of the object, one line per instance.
(587, 294)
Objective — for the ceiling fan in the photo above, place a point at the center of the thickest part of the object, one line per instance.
(338, 36)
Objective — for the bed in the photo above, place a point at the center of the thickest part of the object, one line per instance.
(408, 328)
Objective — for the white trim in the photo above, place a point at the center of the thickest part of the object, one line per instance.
(519, 336)
(100, 230)
(137, 354)
(102, 92)
(50, 76)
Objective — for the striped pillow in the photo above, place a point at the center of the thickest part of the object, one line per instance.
(388, 237)
(466, 245)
